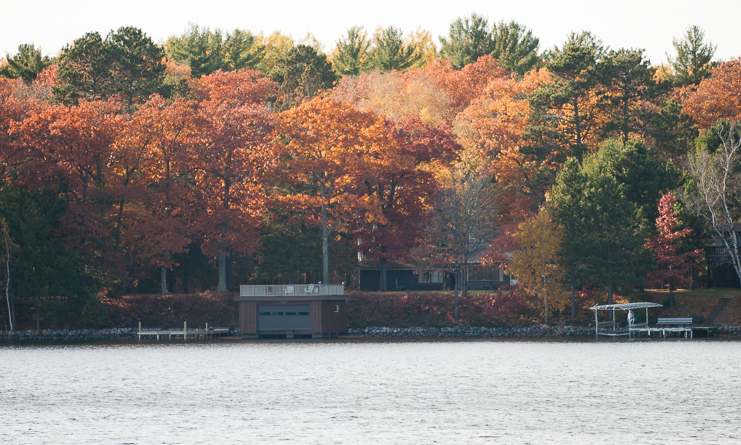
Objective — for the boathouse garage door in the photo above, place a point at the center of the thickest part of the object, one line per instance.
(283, 317)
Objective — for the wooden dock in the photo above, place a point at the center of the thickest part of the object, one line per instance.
(184, 333)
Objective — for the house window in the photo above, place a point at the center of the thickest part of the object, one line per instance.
(426, 276)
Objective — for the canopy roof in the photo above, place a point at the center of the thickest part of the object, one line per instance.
(625, 306)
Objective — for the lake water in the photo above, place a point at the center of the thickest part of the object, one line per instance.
(513, 392)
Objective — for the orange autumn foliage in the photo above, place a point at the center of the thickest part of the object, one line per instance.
(435, 93)
(717, 97)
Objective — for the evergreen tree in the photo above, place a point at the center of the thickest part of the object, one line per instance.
(468, 39)
(241, 51)
(627, 80)
(391, 53)
(126, 64)
(514, 47)
(351, 56)
(604, 232)
(206, 51)
(26, 64)
(301, 74)
(84, 70)
(642, 175)
(564, 112)
(136, 68)
(693, 60)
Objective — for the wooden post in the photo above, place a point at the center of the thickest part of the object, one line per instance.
(596, 325)
(140, 331)
(185, 330)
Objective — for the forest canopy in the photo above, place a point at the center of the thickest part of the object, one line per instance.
(221, 158)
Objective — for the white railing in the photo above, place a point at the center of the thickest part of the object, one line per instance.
(288, 290)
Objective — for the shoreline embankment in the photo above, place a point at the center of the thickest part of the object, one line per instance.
(463, 332)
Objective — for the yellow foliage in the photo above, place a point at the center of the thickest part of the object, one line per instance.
(276, 44)
(537, 263)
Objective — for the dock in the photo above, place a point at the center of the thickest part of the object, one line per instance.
(184, 333)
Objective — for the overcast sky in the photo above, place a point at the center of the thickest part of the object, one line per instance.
(647, 24)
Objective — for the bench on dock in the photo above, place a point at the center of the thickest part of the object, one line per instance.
(684, 322)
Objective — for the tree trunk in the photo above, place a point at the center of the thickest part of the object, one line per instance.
(222, 259)
(325, 241)
(222, 273)
(11, 319)
(464, 283)
(457, 286)
(383, 286)
(573, 301)
(163, 280)
(609, 301)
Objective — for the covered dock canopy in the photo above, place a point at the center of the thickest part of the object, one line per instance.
(621, 307)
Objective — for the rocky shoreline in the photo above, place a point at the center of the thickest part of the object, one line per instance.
(63, 335)
(86, 335)
(473, 332)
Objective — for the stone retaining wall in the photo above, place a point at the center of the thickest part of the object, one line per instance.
(66, 335)
(473, 332)
(61, 335)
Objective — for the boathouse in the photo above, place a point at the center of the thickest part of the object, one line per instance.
(291, 310)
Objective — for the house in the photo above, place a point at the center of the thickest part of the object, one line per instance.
(480, 277)
(720, 270)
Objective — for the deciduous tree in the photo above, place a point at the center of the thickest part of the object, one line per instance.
(717, 97)
(327, 149)
(230, 159)
(716, 189)
(673, 266)
(537, 263)
(401, 181)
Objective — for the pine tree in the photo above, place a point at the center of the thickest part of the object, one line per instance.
(693, 60)
(514, 47)
(26, 64)
(468, 39)
(351, 55)
(391, 53)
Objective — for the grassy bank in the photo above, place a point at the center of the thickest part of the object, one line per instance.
(689, 302)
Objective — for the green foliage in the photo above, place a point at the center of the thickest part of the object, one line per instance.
(574, 67)
(352, 53)
(136, 68)
(672, 132)
(206, 51)
(641, 174)
(56, 283)
(289, 253)
(710, 140)
(390, 53)
(126, 64)
(627, 78)
(301, 74)
(468, 39)
(694, 57)
(604, 231)
(576, 58)
(26, 64)
(514, 47)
